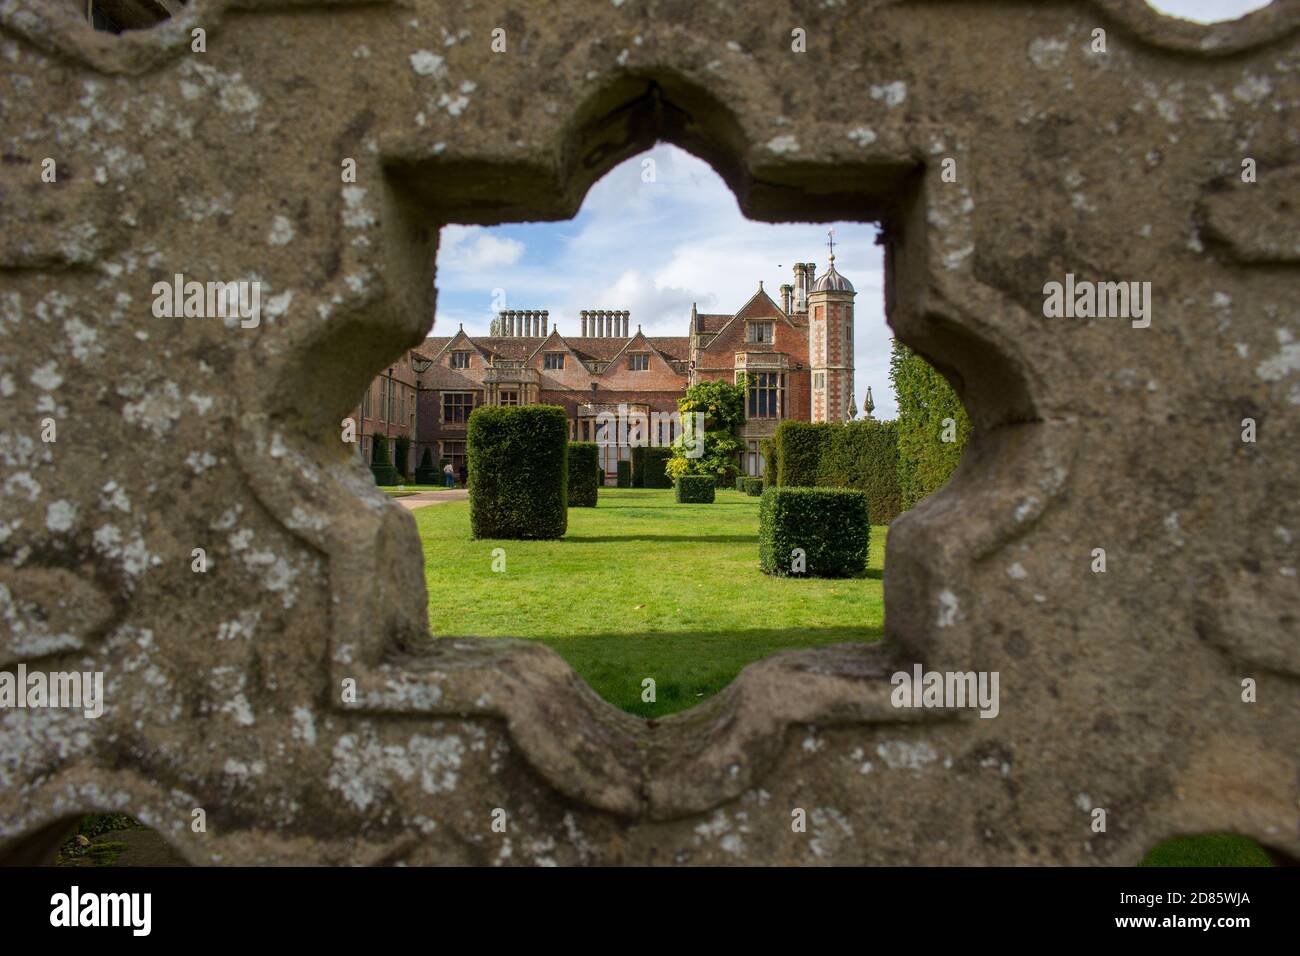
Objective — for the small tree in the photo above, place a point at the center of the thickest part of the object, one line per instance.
(723, 407)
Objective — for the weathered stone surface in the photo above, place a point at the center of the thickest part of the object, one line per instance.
(1120, 690)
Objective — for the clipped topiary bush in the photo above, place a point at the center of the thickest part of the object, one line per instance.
(426, 474)
(519, 458)
(753, 487)
(380, 467)
(624, 474)
(585, 474)
(401, 454)
(817, 532)
(638, 466)
(740, 482)
(656, 460)
(695, 489)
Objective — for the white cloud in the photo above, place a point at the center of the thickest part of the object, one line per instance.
(473, 249)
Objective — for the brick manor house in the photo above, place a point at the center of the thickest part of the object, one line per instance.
(797, 355)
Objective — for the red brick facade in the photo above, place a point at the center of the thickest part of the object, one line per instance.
(607, 368)
(389, 407)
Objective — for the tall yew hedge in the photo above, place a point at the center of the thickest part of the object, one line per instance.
(648, 467)
(519, 459)
(862, 455)
(925, 399)
(585, 474)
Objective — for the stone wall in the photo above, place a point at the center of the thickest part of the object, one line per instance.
(1119, 690)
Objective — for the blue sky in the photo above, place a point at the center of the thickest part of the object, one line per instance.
(654, 248)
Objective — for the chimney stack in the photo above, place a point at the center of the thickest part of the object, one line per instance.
(627, 318)
(803, 283)
(787, 292)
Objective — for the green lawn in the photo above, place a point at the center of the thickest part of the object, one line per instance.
(1211, 849)
(643, 587)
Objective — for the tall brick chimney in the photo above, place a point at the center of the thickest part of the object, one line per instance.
(787, 292)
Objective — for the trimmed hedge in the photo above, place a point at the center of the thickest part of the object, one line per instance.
(380, 467)
(799, 450)
(585, 474)
(925, 399)
(519, 458)
(695, 489)
(624, 474)
(426, 474)
(864, 455)
(753, 487)
(861, 455)
(654, 459)
(740, 482)
(401, 454)
(831, 526)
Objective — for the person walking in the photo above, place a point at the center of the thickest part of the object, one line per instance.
(448, 475)
(464, 476)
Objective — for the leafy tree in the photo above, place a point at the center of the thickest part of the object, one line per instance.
(925, 401)
(723, 407)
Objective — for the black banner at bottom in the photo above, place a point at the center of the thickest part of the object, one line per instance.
(933, 905)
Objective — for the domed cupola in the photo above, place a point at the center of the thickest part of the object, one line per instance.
(832, 281)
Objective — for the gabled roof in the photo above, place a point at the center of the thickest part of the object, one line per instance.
(446, 342)
(595, 349)
(553, 339)
(644, 339)
(757, 305)
(432, 347)
(677, 347)
(713, 321)
(513, 347)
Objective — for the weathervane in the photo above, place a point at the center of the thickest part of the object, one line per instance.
(830, 241)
